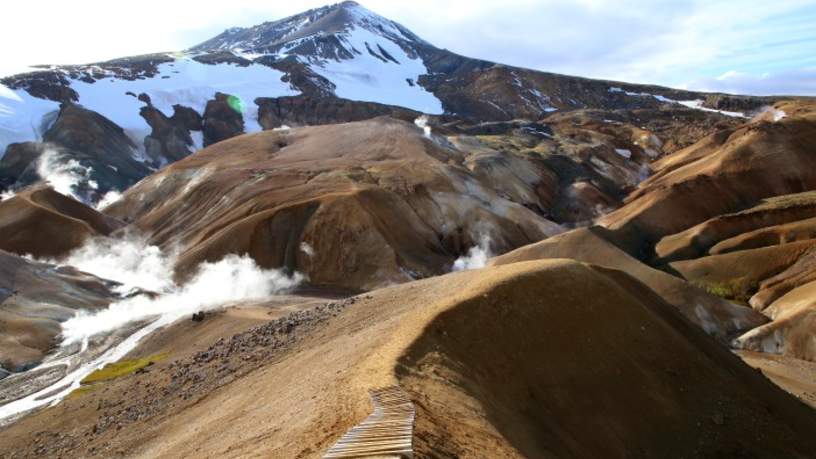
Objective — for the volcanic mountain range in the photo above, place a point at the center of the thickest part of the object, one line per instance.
(621, 244)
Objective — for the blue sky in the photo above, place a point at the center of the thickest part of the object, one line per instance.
(749, 46)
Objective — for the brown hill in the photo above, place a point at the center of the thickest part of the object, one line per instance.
(716, 316)
(740, 274)
(800, 230)
(376, 201)
(798, 273)
(792, 331)
(355, 205)
(732, 165)
(732, 214)
(46, 224)
(697, 240)
(537, 359)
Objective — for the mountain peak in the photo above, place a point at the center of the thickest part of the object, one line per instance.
(279, 35)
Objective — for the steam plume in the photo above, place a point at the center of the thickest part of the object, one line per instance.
(476, 256)
(422, 122)
(215, 285)
(65, 177)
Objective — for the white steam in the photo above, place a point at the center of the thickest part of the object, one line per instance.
(136, 264)
(215, 285)
(770, 112)
(65, 177)
(109, 198)
(139, 266)
(307, 249)
(129, 260)
(476, 256)
(422, 122)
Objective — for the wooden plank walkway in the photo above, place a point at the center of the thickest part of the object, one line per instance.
(386, 433)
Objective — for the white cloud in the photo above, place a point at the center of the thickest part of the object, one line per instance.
(792, 82)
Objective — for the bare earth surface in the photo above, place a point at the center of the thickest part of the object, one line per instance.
(794, 375)
(526, 360)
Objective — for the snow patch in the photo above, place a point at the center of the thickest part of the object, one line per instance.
(183, 81)
(187, 82)
(198, 140)
(21, 116)
(370, 79)
(698, 105)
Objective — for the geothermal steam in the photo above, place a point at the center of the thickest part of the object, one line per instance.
(107, 199)
(129, 260)
(422, 122)
(135, 263)
(217, 284)
(140, 266)
(65, 177)
(476, 256)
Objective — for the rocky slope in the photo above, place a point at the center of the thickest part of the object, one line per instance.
(753, 243)
(362, 204)
(34, 299)
(482, 354)
(353, 205)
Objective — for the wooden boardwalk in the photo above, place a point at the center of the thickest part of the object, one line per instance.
(386, 433)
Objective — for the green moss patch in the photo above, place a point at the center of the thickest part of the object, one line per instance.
(737, 290)
(121, 368)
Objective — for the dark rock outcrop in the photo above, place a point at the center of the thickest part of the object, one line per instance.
(50, 85)
(223, 119)
(93, 142)
(300, 75)
(304, 110)
(743, 104)
(18, 157)
(170, 139)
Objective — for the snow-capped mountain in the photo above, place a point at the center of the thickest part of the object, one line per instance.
(359, 54)
(342, 50)
(171, 104)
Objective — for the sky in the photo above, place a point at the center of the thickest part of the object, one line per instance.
(748, 46)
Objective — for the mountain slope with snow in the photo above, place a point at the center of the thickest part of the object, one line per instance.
(337, 51)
